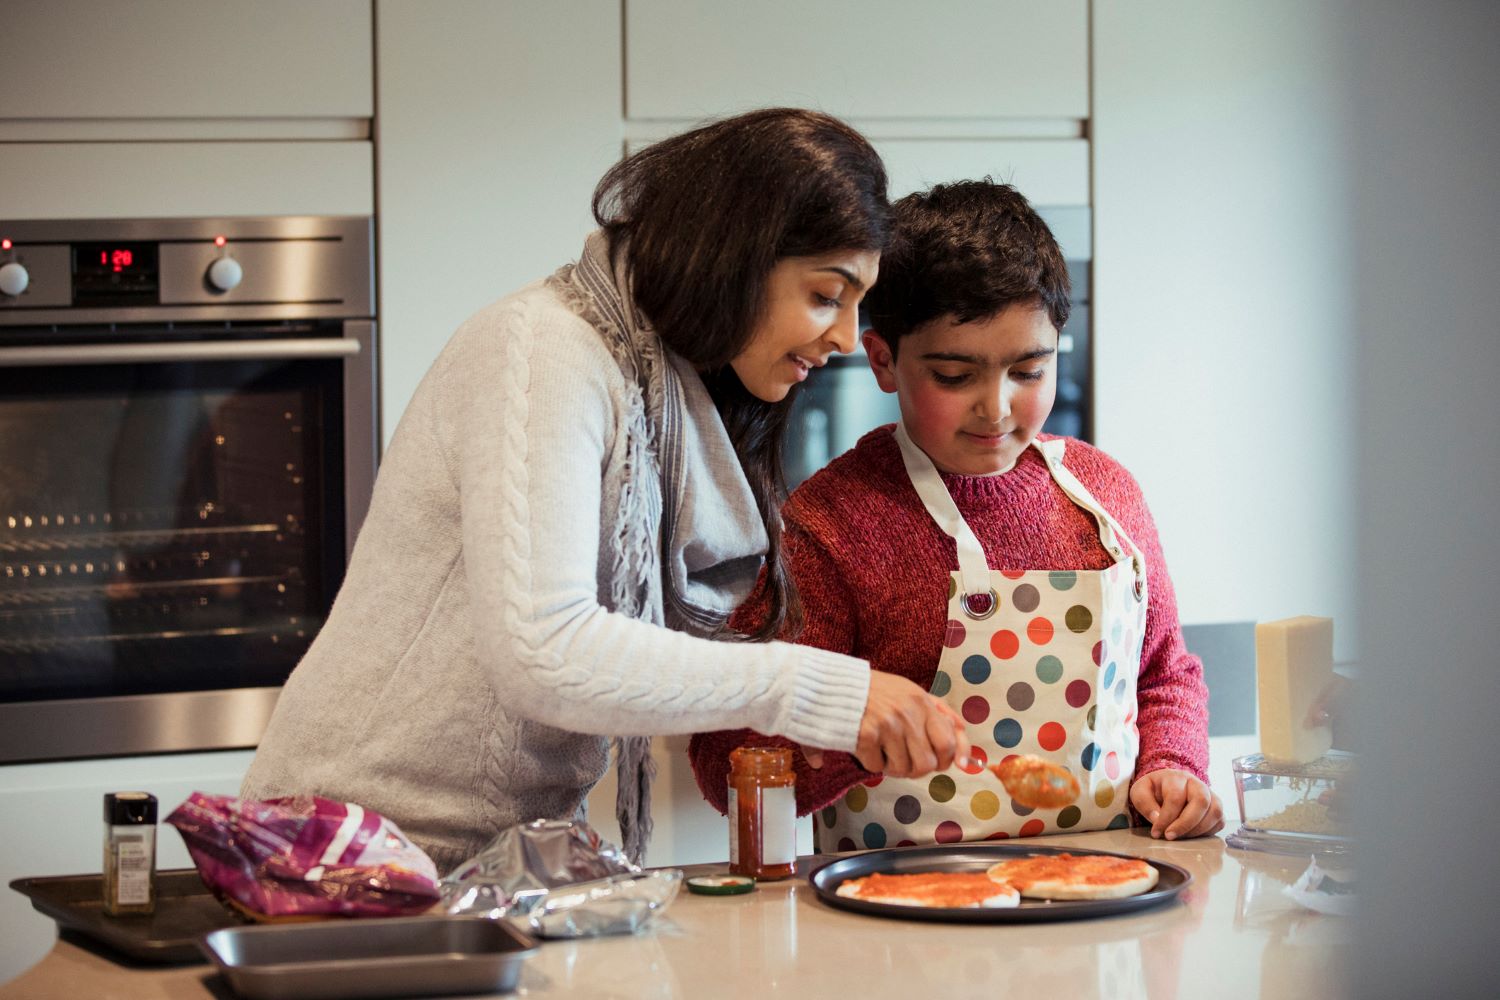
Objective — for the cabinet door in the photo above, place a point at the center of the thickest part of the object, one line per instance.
(186, 59)
(1046, 171)
(868, 59)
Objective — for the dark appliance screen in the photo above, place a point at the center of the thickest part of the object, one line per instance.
(166, 527)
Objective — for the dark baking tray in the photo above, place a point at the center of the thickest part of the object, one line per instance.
(825, 880)
(185, 911)
(395, 957)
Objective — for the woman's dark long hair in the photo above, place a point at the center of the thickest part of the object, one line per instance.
(702, 218)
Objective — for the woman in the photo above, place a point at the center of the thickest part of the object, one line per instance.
(582, 488)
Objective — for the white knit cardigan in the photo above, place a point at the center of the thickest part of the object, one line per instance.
(470, 674)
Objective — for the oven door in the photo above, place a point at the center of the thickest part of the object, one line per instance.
(175, 515)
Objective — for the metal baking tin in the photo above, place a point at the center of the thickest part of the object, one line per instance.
(389, 957)
(185, 911)
(977, 857)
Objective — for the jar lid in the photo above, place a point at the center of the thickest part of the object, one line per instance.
(129, 808)
(720, 885)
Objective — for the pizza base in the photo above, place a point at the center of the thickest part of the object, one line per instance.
(945, 890)
(1068, 876)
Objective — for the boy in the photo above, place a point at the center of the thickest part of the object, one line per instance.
(1016, 575)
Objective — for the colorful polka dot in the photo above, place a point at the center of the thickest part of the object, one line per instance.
(1103, 796)
(1019, 696)
(941, 788)
(1069, 817)
(998, 835)
(1120, 822)
(907, 809)
(976, 669)
(1112, 765)
(1051, 736)
(1013, 574)
(1109, 672)
(1090, 757)
(1032, 828)
(845, 844)
(1120, 690)
(1079, 693)
(830, 815)
(857, 799)
(1004, 644)
(953, 633)
(906, 843)
(1093, 718)
(1098, 652)
(1062, 579)
(874, 835)
(1049, 669)
(948, 832)
(873, 780)
(1007, 732)
(975, 710)
(952, 586)
(1079, 618)
(1114, 633)
(984, 805)
(1019, 809)
(1025, 598)
(941, 684)
(1039, 631)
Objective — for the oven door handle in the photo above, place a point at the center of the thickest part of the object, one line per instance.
(210, 350)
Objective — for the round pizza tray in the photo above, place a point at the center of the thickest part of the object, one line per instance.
(978, 857)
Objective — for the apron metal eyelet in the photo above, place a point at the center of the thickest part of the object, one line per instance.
(980, 606)
(1140, 589)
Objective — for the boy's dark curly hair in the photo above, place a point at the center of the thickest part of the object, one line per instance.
(966, 250)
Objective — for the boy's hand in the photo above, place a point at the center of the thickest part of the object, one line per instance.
(1176, 804)
(906, 732)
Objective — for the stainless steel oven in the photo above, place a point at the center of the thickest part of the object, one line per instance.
(188, 440)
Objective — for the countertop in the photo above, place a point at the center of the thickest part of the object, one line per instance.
(1232, 933)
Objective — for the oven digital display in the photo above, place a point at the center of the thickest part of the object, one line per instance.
(110, 274)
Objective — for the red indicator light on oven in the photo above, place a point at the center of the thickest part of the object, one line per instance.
(219, 241)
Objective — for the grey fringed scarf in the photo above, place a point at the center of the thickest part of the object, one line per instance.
(685, 501)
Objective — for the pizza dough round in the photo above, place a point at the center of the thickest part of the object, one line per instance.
(1068, 876)
(932, 889)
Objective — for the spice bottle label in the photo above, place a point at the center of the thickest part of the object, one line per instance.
(133, 861)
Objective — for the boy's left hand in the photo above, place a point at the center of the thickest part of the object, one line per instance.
(1177, 804)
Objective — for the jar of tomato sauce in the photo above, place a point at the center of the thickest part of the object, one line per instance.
(762, 813)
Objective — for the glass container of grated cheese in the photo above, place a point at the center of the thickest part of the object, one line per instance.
(1294, 808)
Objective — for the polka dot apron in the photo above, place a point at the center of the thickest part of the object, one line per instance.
(1039, 662)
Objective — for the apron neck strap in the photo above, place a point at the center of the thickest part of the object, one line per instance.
(973, 567)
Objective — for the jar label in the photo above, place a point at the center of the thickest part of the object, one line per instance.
(734, 827)
(779, 836)
(133, 860)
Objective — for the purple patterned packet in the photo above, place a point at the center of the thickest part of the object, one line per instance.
(304, 856)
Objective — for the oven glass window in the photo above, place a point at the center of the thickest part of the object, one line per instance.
(166, 527)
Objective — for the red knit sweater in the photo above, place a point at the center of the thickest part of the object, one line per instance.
(872, 568)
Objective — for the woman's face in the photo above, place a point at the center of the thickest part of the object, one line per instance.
(973, 395)
(812, 310)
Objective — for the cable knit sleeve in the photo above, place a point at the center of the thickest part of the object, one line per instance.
(1171, 696)
(528, 415)
(830, 626)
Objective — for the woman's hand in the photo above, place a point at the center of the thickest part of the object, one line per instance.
(906, 732)
(1176, 804)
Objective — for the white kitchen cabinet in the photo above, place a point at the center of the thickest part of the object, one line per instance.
(951, 59)
(122, 180)
(92, 59)
(496, 121)
(1046, 171)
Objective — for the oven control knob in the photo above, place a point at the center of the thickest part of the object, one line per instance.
(225, 273)
(14, 278)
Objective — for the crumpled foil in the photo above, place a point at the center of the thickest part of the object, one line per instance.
(559, 879)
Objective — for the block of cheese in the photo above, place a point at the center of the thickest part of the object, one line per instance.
(1293, 667)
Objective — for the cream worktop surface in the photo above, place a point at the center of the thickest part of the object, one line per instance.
(1232, 933)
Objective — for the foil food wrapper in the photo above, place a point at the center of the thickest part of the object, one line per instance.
(559, 879)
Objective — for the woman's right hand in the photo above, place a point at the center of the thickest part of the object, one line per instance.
(906, 732)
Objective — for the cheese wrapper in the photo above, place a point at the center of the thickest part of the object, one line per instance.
(304, 857)
(1293, 669)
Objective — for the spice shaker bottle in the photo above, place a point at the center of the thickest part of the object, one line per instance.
(129, 853)
(762, 813)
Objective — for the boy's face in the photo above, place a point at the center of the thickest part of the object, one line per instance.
(973, 395)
